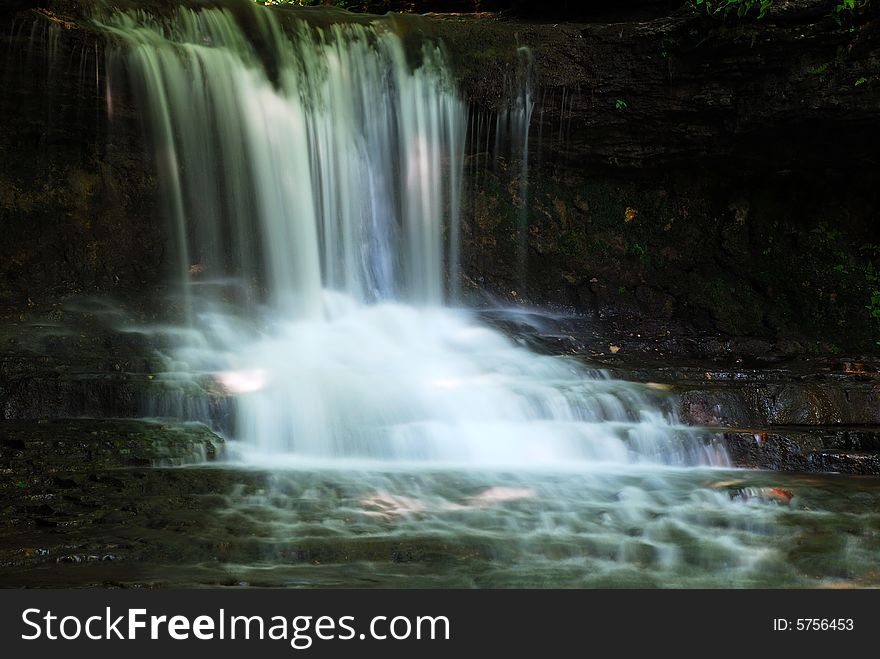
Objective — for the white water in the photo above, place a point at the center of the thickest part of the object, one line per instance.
(313, 178)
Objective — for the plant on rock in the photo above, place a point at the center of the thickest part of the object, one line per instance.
(850, 5)
(739, 8)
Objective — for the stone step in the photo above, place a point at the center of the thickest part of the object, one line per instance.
(771, 404)
(863, 463)
(848, 450)
(812, 392)
(78, 362)
(34, 449)
(718, 389)
(44, 394)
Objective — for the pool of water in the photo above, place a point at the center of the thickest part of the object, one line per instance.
(635, 527)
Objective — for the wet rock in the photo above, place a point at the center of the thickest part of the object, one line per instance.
(772, 495)
(737, 232)
(846, 450)
(59, 448)
(865, 463)
(78, 208)
(93, 361)
(761, 404)
(109, 513)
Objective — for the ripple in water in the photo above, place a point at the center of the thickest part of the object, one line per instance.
(605, 527)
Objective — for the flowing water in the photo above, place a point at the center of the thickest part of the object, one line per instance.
(315, 190)
(312, 176)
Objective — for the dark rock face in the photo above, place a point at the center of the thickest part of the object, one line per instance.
(83, 445)
(78, 210)
(763, 259)
(688, 175)
(556, 9)
(846, 451)
(79, 363)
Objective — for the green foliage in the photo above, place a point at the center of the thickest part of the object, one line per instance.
(826, 234)
(847, 9)
(639, 249)
(725, 8)
(872, 276)
(620, 105)
(874, 305)
(850, 5)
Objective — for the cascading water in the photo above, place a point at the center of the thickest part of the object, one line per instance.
(311, 169)
(313, 176)
(327, 173)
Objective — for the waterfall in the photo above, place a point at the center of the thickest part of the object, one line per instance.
(313, 175)
(512, 130)
(309, 159)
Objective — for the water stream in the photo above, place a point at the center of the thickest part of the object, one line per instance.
(313, 177)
